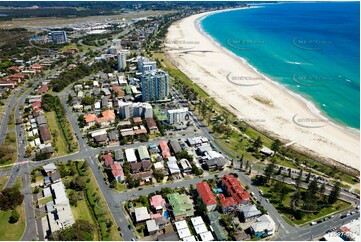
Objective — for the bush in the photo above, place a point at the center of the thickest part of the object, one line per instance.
(14, 217)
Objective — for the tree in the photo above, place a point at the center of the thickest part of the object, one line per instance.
(10, 198)
(308, 177)
(335, 193)
(310, 194)
(14, 217)
(276, 145)
(257, 143)
(241, 162)
(81, 121)
(201, 208)
(78, 183)
(269, 170)
(299, 179)
(81, 230)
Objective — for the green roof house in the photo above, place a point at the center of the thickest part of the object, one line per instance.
(182, 207)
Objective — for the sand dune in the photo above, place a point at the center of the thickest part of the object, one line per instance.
(258, 100)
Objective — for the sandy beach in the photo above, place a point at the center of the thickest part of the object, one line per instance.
(256, 99)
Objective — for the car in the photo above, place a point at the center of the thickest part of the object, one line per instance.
(343, 216)
(252, 194)
(129, 227)
(325, 219)
(133, 239)
(319, 221)
(260, 192)
(313, 223)
(267, 200)
(139, 189)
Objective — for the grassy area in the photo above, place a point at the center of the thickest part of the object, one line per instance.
(10, 139)
(82, 211)
(12, 231)
(283, 206)
(121, 187)
(57, 135)
(11, 122)
(97, 206)
(3, 181)
(44, 200)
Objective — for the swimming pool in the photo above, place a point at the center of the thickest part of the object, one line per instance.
(165, 214)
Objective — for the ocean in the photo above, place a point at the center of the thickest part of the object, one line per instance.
(311, 48)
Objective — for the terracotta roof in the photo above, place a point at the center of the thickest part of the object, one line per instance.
(108, 159)
(206, 194)
(36, 104)
(107, 115)
(90, 118)
(137, 119)
(37, 66)
(117, 170)
(43, 89)
(227, 201)
(165, 149)
(151, 123)
(118, 90)
(18, 75)
(157, 201)
(14, 68)
(235, 188)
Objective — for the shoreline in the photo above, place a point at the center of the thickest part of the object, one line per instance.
(345, 155)
(309, 103)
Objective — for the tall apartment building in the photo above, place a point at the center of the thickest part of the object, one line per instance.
(121, 60)
(177, 116)
(129, 110)
(145, 65)
(155, 86)
(58, 37)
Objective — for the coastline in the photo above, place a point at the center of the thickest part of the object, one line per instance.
(335, 142)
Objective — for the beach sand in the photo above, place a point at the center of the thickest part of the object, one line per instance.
(259, 101)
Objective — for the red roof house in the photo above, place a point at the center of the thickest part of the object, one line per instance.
(108, 159)
(207, 196)
(228, 203)
(165, 149)
(235, 189)
(117, 172)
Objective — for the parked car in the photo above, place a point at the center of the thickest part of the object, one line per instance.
(313, 223)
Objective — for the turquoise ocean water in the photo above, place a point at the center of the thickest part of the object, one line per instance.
(313, 49)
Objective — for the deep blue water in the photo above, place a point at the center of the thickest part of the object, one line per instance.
(313, 49)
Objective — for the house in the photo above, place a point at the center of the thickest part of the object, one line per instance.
(182, 206)
(108, 117)
(143, 153)
(266, 151)
(144, 176)
(55, 177)
(50, 168)
(234, 188)
(206, 195)
(165, 149)
(206, 236)
(152, 226)
(140, 130)
(136, 167)
(46, 149)
(157, 202)
(175, 146)
(119, 91)
(215, 163)
(101, 138)
(173, 166)
(47, 192)
(108, 160)
(40, 120)
(198, 225)
(249, 212)
(141, 214)
(218, 231)
(146, 165)
(152, 126)
(118, 156)
(182, 229)
(113, 137)
(213, 216)
(185, 166)
(43, 89)
(90, 119)
(47, 181)
(130, 155)
(117, 172)
(263, 227)
(45, 135)
(228, 204)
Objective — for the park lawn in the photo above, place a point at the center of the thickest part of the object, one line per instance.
(56, 133)
(12, 231)
(81, 211)
(337, 207)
